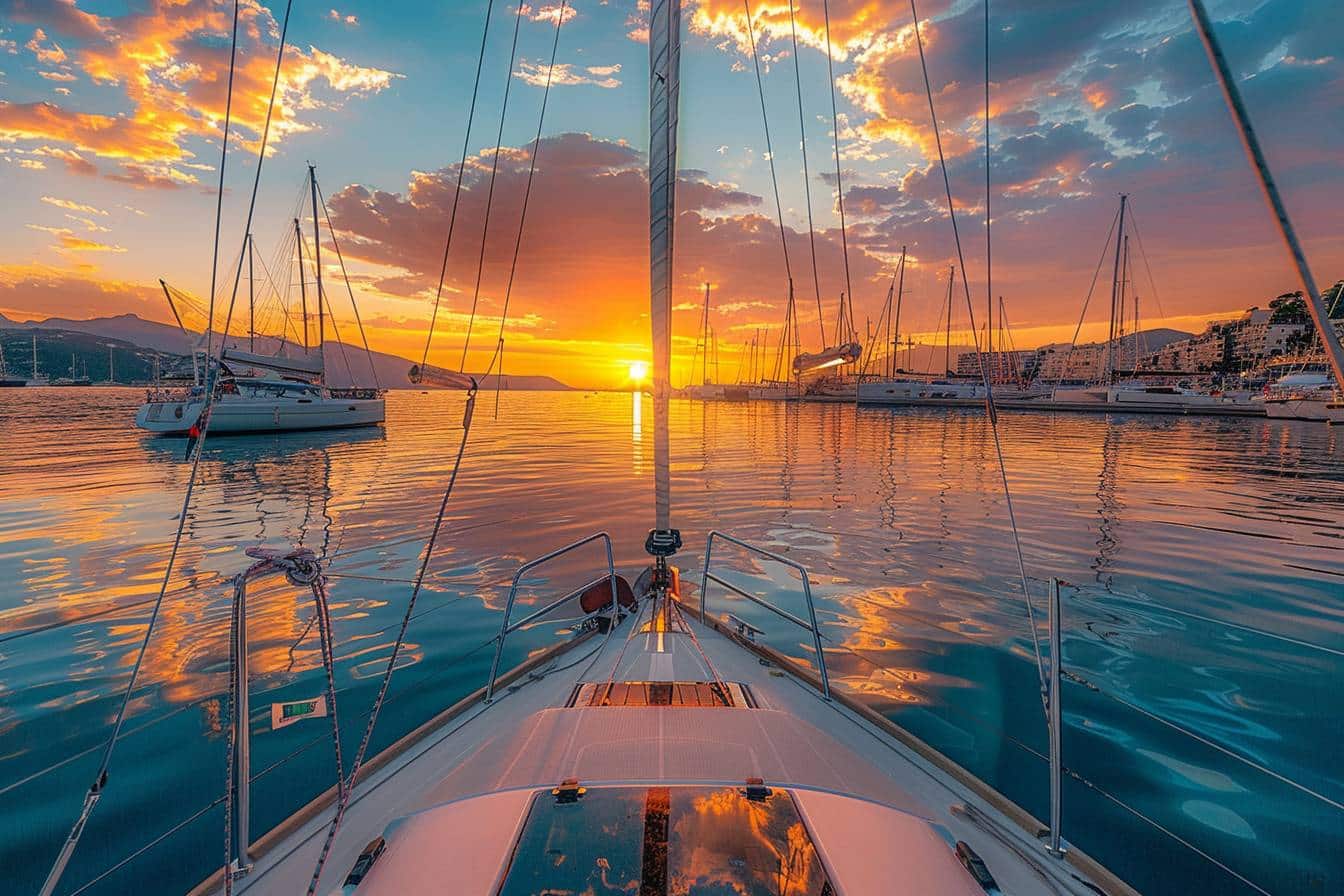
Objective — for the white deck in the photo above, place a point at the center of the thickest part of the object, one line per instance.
(527, 740)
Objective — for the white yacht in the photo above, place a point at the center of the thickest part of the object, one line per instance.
(249, 392)
(1301, 396)
(914, 390)
(263, 403)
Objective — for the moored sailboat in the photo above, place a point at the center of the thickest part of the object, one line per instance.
(255, 392)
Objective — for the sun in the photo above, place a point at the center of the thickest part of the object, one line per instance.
(638, 370)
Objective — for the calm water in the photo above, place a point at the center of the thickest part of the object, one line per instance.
(1166, 530)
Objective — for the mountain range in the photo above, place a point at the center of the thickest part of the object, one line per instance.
(347, 365)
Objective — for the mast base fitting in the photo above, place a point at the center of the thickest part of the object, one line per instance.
(662, 543)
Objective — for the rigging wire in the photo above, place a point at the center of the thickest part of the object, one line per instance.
(355, 766)
(790, 312)
(522, 218)
(323, 298)
(989, 244)
(1087, 300)
(490, 191)
(461, 170)
(95, 791)
(839, 184)
(990, 410)
(219, 195)
(346, 277)
(1138, 238)
(807, 184)
(1325, 330)
(256, 177)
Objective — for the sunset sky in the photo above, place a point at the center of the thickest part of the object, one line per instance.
(110, 117)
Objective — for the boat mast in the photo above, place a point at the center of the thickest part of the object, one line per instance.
(1124, 284)
(664, 92)
(704, 340)
(1115, 294)
(303, 289)
(317, 273)
(900, 292)
(35, 376)
(947, 341)
(251, 296)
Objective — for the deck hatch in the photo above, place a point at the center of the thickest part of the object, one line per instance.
(658, 841)
(662, 693)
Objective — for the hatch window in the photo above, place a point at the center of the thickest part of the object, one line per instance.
(661, 693)
(666, 841)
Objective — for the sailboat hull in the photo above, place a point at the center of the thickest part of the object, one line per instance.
(1304, 408)
(261, 415)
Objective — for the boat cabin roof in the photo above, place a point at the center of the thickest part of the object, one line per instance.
(667, 839)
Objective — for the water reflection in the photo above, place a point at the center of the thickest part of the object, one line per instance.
(898, 515)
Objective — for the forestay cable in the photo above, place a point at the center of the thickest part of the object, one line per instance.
(807, 184)
(990, 410)
(219, 195)
(1087, 300)
(346, 277)
(774, 183)
(527, 196)
(839, 183)
(343, 799)
(457, 191)
(490, 191)
(95, 790)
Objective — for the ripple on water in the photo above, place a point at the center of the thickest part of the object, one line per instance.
(1156, 523)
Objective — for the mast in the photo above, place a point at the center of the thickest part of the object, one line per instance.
(1320, 315)
(35, 376)
(317, 273)
(947, 341)
(1124, 284)
(251, 296)
(303, 289)
(704, 340)
(1115, 294)
(900, 292)
(664, 91)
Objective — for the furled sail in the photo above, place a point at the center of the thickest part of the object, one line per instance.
(664, 88)
(308, 367)
(848, 353)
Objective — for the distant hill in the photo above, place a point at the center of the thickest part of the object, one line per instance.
(88, 339)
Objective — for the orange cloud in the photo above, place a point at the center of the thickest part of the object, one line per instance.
(35, 291)
(171, 61)
(52, 55)
(69, 241)
(72, 206)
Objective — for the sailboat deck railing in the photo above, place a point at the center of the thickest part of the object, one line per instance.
(809, 624)
(507, 627)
